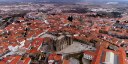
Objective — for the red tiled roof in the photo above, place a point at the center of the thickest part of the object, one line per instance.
(66, 62)
(55, 57)
(27, 61)
(2, 62)
(33, 50)
(122, 56)
(37, 42)
(15, 60)
(97, 57)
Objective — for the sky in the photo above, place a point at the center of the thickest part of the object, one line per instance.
(56, 0)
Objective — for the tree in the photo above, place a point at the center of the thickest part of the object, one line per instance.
(104, 32)
(70, 18)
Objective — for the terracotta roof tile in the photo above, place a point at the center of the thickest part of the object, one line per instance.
(15, 60)
(27, 61)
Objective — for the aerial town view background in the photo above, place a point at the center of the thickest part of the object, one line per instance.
(63, 32)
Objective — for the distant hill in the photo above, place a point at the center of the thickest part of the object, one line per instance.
(61, 0)
(40, 0)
